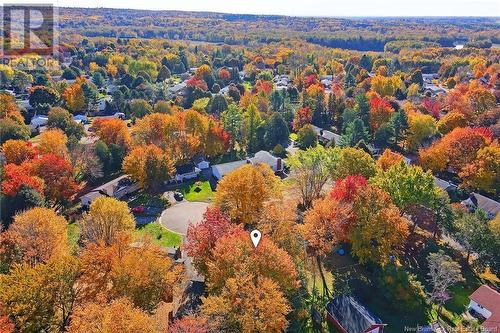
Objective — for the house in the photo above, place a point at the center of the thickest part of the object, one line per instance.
(179, 89)
(428, 78)
(490, 206)
(220, 170)
(475, 200)
(186, 171)
(200, 162)
(328, 137)
(117, 188)
(260, 157)
(485, 301)
(264, 157)
(350, 316)
(434, 90)
(103, 102)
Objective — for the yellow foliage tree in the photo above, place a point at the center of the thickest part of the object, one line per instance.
(107, 218)
(242, 192)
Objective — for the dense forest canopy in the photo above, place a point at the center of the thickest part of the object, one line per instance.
(364, 34)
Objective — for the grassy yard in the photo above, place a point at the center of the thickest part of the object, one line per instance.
(148, 199)
(73, 235)
(197, 191)
(158, 235)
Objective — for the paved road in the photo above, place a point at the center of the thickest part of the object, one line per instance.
(178, 217)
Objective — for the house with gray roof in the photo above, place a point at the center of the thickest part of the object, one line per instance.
(348, 315)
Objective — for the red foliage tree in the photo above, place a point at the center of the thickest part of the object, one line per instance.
(432, 106)
(345, 190)
(201, 238)
(196, 82)
(302, 117)
(57, 174)
(380, 112)
(16, 176)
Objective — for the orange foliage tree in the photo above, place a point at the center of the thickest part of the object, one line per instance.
(455, 150)
(235, 254)
(388, 159)
(242, 193)
(148, 165)
(247, 303)
(18, 151)
(202, 237)
(380, 112)
(112, 131)
(118, 316)
(36, 236)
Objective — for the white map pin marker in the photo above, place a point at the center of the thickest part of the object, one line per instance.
(255, 236)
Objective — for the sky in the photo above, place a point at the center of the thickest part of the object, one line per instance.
(305, 7)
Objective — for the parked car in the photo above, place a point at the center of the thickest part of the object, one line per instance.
(178, 196)
(138, 209)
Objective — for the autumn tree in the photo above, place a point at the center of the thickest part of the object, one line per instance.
(407, 185)
(118, 316)
(455, 150)
(235, 253)
(36, 236)
(380, 112)
(326, 224)
(379, 229)
(189, 324)
(112, 131)
(17, 176)
(242, 193)
(41, 298)
(421, 127)
(443, 273)
(278, 221)
(74, 98)
(247, 303)
(107, 218)
(202, 237)
(450, 121)
(57, 175)
(354, 161)
(483, 173)
(388, 159)
(148, 165)
(13, 127)
(53, 141)
(18, 151)
(311, 170)
(144, 274)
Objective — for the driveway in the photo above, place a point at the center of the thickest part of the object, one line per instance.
(178, 217)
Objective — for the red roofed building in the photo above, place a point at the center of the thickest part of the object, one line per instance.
(486, 302)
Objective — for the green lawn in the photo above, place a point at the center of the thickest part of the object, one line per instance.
(148, 199)
(193, 192)
(158, 235)
(73, 235)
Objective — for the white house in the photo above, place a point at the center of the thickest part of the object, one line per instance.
(220, 170)
(117, 188)
(200, 162)
(264, 157)
(486, 302)
(185, 172)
